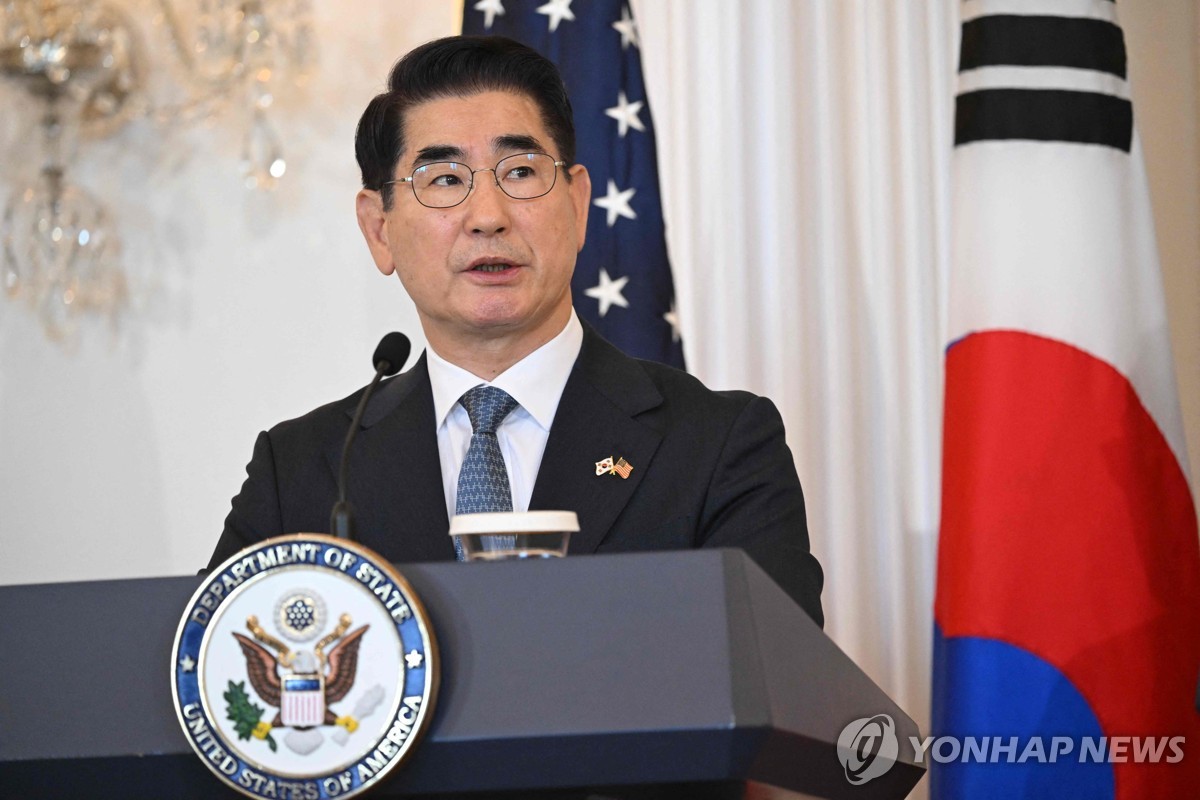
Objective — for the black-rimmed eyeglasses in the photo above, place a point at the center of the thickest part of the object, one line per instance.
(444, 184)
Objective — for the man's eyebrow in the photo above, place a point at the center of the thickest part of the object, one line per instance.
(438, 152)
(520, 142)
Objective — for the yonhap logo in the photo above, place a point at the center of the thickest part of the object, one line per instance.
(868, 748)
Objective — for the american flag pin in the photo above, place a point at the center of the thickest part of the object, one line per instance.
(605, 466)
(622, 468)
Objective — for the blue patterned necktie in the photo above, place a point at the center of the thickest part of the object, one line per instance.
(483, 480)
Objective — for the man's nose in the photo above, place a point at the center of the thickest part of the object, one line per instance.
(487, 205)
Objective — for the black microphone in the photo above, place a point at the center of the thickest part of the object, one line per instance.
(389, 358)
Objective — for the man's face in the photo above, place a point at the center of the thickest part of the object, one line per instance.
(440, 253)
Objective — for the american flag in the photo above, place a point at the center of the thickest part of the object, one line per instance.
(622, 283)
(622, 468)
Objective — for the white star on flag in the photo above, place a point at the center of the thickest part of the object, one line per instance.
(626, 114)
(616, 203)
(557, 11)
(490, 9)
(672, 318)
(627, 28)
(608, 292)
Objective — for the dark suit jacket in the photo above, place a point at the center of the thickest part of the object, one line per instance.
(710, 469)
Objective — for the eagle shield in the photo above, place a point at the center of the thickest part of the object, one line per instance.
(302, 700)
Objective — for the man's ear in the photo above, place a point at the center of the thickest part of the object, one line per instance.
(372, 221)
(580, 188)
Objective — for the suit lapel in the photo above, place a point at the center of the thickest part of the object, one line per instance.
(596, 419)
(395, 481)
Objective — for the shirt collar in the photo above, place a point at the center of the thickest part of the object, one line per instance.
(536, 381)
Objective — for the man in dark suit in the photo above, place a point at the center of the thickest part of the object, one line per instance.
(515, 401)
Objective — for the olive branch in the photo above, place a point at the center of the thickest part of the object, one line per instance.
(244, 715)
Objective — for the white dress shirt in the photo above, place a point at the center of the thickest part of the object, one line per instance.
(536, 382)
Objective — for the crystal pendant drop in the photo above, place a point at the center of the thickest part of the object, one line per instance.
(56, 314)
(10, 258)
(61, 235)
(262, 158)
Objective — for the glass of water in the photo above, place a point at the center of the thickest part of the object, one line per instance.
(500, 536)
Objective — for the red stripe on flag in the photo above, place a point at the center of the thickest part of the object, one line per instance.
(1068, 529)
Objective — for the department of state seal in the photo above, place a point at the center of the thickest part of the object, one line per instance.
(304, 667)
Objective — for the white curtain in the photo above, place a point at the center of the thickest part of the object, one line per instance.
(805, 155)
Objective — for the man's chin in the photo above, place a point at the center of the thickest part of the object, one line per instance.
(496, 321)
(501, 319)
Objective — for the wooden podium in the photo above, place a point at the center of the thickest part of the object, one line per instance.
(681, 674)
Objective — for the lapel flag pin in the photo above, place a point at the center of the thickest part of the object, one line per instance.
(605, 466)
(622, 468)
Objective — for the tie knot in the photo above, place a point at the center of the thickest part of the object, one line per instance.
(487, 406)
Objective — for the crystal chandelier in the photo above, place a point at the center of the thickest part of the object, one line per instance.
(85, 65)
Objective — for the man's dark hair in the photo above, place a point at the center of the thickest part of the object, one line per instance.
(458, 66)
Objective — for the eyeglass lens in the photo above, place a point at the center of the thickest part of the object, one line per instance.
(521, 177)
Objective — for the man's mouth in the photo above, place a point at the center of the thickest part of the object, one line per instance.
(491, 265)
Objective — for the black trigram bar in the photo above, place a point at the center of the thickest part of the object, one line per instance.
(1052, 115)
(1036, 41)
